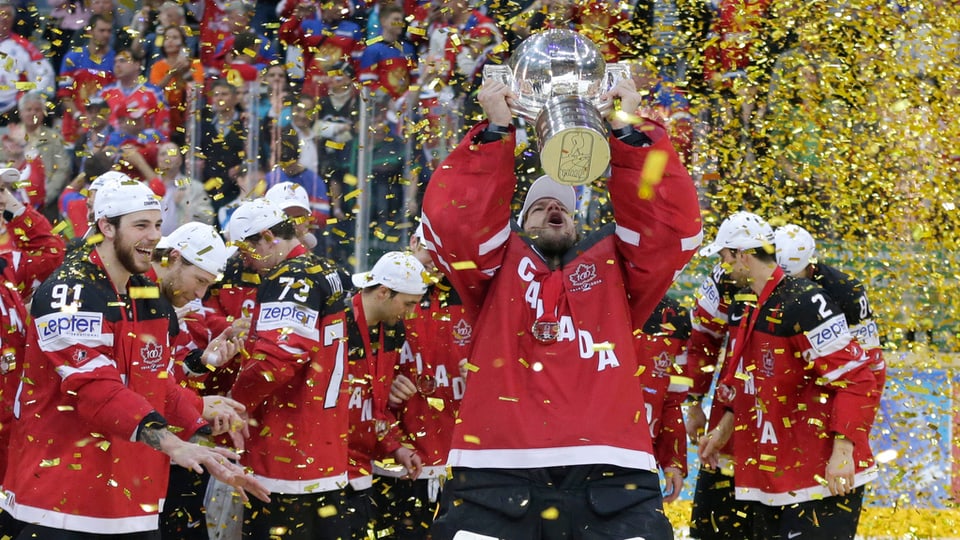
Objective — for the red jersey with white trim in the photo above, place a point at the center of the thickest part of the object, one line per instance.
(374, 432)
(438, 338)
(13, 316)
(799, 379)
(96, 365)
(660, 345)
(708, 335)
(144, 96)
(293, 379)
(38, 250)
(574, 400)
(850, 294)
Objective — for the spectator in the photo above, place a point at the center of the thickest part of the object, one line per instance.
(336, 155)
(184, 200)
(48, 144)
(260, 50)
(289, 169)
(31, 190)
(175, 71)
(66, 18)
(130, 91)
(171, 15)
(222, 143)
(83, 73)
(96, 131)
(76, 206)
(325, 41)
(387, 65)
(303, 121)
(23, 63)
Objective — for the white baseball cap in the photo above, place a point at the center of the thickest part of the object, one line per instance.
(253, 217)
(742, 230)
(796, 248)
(9, 175)
(119, 198)
(288, 194)
(200, 245)
(397, 271)
(109, 176)
(544, 187)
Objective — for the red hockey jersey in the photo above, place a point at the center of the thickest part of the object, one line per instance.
(438, 338)
(97, 364)
(797, 379)
(573, 401)
(292, 382)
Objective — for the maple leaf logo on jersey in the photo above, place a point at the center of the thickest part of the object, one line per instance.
(584, 277)
(462, 332)
(661, 364)
(152, 355)
(768, 362)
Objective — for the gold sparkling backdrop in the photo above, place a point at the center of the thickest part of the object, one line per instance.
(846, 122)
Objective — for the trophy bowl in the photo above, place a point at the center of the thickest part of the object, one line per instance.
(558, 77)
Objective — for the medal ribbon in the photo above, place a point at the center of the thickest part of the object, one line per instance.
(374, 363)
(752, 314)
(550, 292)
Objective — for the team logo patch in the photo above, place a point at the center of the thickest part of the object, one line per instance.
(462, 333)
(767, 363)
(152, 356)
(79, 357)
(661, 364)
(584, 277)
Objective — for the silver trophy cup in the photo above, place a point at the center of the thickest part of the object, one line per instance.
(558, 77)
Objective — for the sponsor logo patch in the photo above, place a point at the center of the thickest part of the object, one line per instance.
(280, 314)
(82, 325)
(831, 335)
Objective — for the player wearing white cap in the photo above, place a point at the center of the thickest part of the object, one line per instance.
(716, 513)
(184, 264)
(388, 294)
(797, 255)
(552, 438)
(292, 380)
(96, 391)
(429, 384)
(799, 390)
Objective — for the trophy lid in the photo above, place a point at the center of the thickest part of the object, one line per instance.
(553, 63)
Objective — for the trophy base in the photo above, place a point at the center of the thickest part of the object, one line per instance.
(573, 141)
